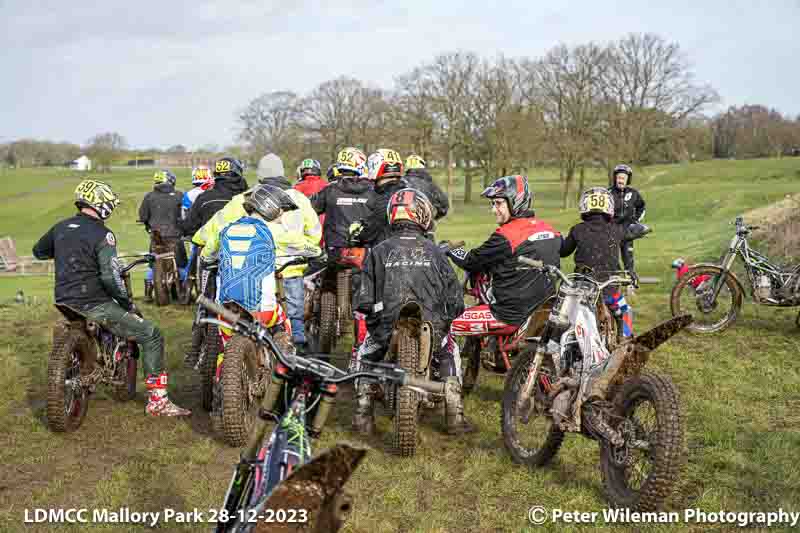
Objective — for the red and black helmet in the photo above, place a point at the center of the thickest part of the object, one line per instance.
(514, 189)
(411, 205)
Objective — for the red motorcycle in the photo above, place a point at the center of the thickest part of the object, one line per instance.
(494, 349)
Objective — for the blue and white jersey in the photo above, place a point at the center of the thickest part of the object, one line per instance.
(188, 199)
(247, 265)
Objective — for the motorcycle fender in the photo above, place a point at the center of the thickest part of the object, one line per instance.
(425, 346)
(316, 487)
(739, 286)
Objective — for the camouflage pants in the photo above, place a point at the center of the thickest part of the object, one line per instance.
(125, 324)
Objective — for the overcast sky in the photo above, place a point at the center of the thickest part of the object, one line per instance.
(175, 72)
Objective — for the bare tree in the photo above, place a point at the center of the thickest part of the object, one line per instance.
(269, 123)
(565, 86)
(333, 112)
(104, 148)
(651, 85)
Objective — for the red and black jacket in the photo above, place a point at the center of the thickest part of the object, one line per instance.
(515, 292)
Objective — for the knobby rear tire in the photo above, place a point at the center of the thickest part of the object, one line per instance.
(407, 402)
(70, 351)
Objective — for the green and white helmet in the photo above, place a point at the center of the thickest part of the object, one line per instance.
(309, 167)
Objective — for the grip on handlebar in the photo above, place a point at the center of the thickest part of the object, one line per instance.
(531, 262)
(229, 316)
(424, 384)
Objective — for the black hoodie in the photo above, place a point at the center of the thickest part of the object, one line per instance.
(418, 178)
(343, 203)
(376, 225)
(211, 201)
(161, 209)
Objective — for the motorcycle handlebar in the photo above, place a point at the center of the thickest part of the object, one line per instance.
(226, 314)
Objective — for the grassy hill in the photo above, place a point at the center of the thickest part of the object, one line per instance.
(740, 389)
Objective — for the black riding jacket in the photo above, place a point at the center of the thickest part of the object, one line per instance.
(87, 268)
(628, 205)
(418, 178)
(343, 203)
(211, 201)
(408, 267)
(161, 209)
(376, 226)
(515, 292)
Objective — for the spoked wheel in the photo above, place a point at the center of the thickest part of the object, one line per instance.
(642, 475)
(693, 294)
(240, 373)
(67, 398)
(328, 321)
(470, 361)
(528, 429)
(209, 351)
(407, 401)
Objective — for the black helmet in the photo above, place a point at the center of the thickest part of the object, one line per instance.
(269, 202)
(624, 169)
(228, 167)
(514, 189)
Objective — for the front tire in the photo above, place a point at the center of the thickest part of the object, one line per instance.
(67, 402)
(471, 359)
(545, 438)
(161, 283)
(327, 322)
(239, 373)
(650, 405)
(406, 416)
(126, 373)
(706, 317)
(209, 351)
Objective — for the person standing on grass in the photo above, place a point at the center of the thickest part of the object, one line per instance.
(629, 208)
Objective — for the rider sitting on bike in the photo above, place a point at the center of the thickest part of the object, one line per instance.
(597, 243)
(514, 292)
(343, 203)
(88, 281)
(202, 181)
(418, 178)
(296, 233)
(407, 267)
(247, 258)
(161, 210)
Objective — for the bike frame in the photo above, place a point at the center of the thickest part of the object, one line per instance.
(755, 263)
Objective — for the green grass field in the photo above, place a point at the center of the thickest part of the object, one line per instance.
(740, 390)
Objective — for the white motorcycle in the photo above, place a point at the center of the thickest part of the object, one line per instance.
(568, 380)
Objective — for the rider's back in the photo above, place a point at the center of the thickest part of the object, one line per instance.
(596, 243)
(408, 267)
(343, 203)
(161, 209)
(74, 244)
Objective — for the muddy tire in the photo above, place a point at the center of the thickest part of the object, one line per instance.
(344, 298)
(328, 318)
(209, 350)
(406, 416)
(546, 436)
(127, 375)
(160, 287)
(628, 486)
(239, 371)
(66, 405)
(471, 362)
(702, 321)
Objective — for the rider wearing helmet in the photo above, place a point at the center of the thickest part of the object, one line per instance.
(228, 182)
(88, 280)
(386, 170)
(419, 178)
(407, 267)
(247, 255)
(629, 208)
(161, 210)
(202, 181)
(310, 182)
(596, 243)
(515, 292)
(344, 201)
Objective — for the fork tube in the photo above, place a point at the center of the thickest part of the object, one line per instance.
(530, 380)
(726, 264)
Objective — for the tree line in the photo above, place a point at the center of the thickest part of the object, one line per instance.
(633, 100)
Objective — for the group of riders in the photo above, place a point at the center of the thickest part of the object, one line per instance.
(379, 204)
